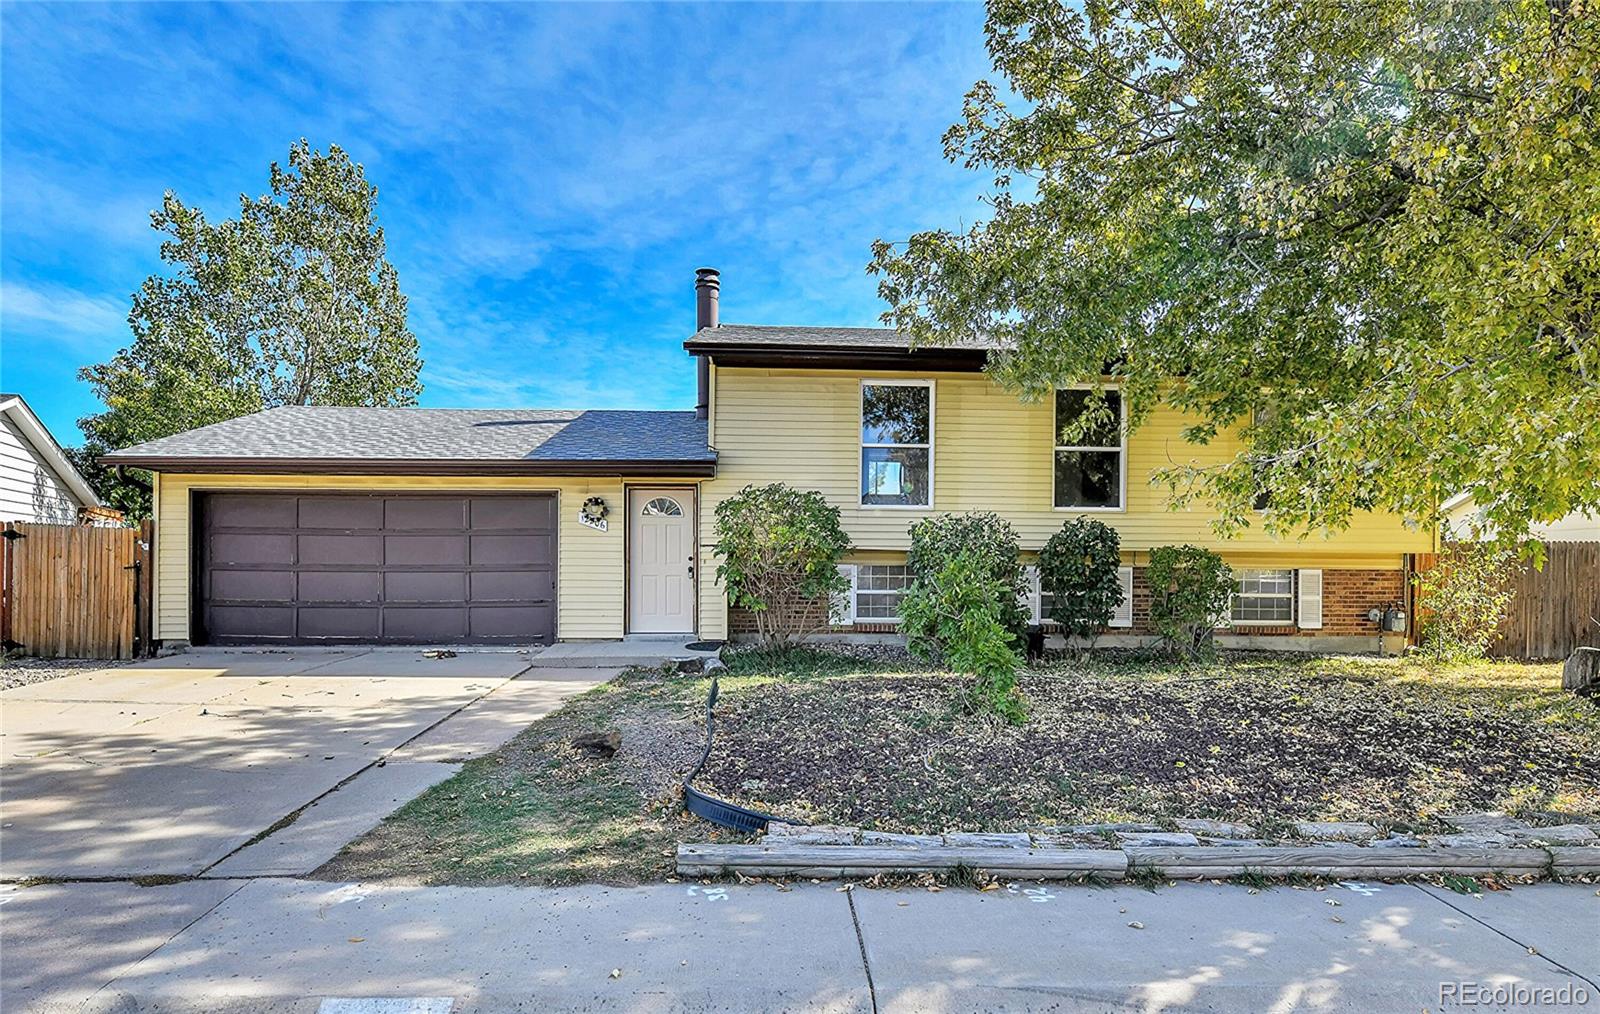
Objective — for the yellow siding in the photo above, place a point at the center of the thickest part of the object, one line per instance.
(991, 452)
(589, 564)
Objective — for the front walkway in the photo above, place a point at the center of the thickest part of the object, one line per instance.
(182, 766)
(290, 945)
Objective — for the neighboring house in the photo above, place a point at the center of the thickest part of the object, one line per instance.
(37, 482)
(440, 525)
(1461, 517)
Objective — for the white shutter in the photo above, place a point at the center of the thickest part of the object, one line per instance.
(1122, 616)
(1029, 599)
(842, 606)
(1310, 589)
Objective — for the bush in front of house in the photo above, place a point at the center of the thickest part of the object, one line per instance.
(1466, 596)
(1078, 570)
(954, 616)
(780, 549)
(996, 554)
(1190, 589)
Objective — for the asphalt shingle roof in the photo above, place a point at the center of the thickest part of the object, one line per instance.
(866, 338)
(440, 434)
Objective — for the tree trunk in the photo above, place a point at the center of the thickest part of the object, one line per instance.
(1581, 674)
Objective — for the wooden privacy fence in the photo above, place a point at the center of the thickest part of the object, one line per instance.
(1553, 611)
(75, 591)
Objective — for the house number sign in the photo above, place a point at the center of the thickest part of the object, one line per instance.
(593, 513)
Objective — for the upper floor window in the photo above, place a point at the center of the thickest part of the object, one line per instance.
(897, 443)
(1263, 597)
(1089, 465)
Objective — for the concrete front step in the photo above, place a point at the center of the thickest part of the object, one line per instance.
(645, 652)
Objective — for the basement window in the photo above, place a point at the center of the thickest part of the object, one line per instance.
(897, 443)
(879, 587)
(1263, 598)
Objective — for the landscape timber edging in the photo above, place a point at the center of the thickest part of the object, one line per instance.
(825, 862)
(1178, 862)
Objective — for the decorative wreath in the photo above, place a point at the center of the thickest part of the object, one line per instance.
(595, 508)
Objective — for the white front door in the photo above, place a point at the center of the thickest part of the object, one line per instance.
(661, 565)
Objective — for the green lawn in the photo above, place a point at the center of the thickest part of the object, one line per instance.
(826, 738)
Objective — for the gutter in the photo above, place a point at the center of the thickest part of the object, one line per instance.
(851, 357)
(413, 466)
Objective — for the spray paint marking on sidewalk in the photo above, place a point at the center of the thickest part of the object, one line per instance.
(709, 893)
(386, 1005)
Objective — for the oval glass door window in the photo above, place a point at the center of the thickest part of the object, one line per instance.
(662, 507)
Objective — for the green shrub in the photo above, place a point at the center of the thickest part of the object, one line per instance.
(780, 550)
(1078, 569)
(1465, 597)
(953, 616)
(1190, 589)
(996, 552)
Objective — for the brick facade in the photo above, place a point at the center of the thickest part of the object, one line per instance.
(1347, 595)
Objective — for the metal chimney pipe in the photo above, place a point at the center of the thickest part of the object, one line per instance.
(707, 286)
(707, 296)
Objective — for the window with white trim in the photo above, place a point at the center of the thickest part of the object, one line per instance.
(1041, 603)
(1263, 597)
(1089, 466)
(879, 587)
(897, 443)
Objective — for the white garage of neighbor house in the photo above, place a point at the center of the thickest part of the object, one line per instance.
(37, 482)
(1462, 514)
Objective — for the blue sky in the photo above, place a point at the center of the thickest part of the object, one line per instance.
(550, 175)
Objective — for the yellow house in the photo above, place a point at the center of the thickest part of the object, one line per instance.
(334, 525)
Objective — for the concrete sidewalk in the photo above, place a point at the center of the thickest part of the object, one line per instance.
(301, 946)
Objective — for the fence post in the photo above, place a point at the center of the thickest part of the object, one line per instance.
(7, 587)
(144, 592)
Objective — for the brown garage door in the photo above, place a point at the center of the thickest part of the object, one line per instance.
(416, 569)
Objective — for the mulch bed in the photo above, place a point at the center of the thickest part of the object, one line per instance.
(898, 753)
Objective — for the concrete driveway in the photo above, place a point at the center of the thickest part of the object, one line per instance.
(182, 766)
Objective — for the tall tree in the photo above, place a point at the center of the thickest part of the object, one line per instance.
(1366, 233)
(294, 302)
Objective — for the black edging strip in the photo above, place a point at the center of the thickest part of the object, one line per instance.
(720, 811)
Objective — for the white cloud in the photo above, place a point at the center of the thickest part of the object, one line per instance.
(80, 321)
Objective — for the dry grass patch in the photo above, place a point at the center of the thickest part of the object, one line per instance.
(877, 741)
(1259, 739)
(540, 811)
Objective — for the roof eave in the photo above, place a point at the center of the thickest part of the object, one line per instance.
(44, 444)
(687, 467)
(835, 357)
